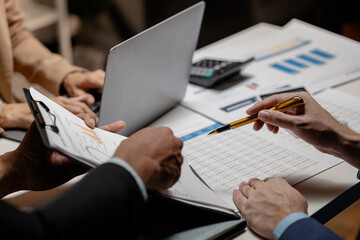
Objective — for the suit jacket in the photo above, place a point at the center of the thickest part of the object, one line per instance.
(308, 228)
(20, 51)
(106, 203)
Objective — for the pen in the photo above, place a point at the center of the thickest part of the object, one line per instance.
(283, 106)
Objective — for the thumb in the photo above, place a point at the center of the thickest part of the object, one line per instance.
(277, 118)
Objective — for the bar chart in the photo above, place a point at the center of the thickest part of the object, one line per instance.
(303, 61)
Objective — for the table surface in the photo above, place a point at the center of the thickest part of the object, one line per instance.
(318, 190)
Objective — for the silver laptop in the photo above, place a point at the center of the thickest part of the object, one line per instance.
(147, 75)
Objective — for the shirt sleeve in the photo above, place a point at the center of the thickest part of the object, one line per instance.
(137, 178)
(286, 222)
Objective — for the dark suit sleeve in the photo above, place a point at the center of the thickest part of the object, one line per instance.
(308, 228)
(107, 202)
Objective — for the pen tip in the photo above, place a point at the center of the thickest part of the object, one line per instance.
(212, 132)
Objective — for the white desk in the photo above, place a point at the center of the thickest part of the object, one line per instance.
(319, 190)
(322, 188)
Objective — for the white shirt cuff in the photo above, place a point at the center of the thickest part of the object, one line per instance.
(138, 180)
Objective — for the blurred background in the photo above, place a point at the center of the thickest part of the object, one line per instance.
(84, 31)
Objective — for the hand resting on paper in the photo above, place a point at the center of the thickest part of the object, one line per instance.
(32, 166)
(265, 203)
(155, 154)
(312, 123)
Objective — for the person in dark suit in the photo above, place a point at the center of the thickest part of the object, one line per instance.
(109, 201)
(272, 208)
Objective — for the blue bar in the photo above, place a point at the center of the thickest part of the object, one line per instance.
(310, 59)
(322, 54)
(201, 132)
(295, 63)
(283, 68)
(238, 105)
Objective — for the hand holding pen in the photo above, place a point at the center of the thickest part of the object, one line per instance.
(312, 123)
(291, 102)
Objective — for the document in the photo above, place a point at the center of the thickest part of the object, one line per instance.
(224, 160)
(74, 138)
(298, 55)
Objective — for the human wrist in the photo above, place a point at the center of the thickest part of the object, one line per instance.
(2, 119)
(16, 115)
(348, 146)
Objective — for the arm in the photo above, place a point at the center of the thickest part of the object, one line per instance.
(18, 115)
(105, 203)
(313, 124)
(39, 65)
(306, 228)
(108, 200)
(33, 59)
(32, 166)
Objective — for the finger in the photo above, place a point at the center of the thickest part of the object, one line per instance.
(276, 130)
(239, 200)
(258, 125)
(275, 99)
(254, 182)
(245, 189)
(94, 80)
(114, 127)
(74, 106)
(268, 179)
(100, 73)
(278, 119)
(268, 103)
(270, 127)
(90, 120)
(82, 107)
(180, 159)
(85, 98)
(178, 143)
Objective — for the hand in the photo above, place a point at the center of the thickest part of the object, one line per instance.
(265, 203)
(79, 83)
(310, 122)
(16, 115)
(155, 154)
(32, 166)
(76, 105)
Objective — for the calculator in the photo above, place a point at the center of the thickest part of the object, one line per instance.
(208, 72)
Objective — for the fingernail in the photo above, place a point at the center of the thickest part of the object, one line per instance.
(1, 130)
(92, 122)
(264, 115)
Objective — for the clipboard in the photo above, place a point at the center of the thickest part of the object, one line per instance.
(39, 120)
(35, 106)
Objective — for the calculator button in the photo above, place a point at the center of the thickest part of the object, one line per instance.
(209, 74)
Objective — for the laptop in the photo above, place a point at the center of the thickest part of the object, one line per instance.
(147, 75)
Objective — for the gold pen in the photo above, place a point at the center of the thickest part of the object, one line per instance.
(283, 106)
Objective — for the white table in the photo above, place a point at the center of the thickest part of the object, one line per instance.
(319, 190)
(324, 187)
